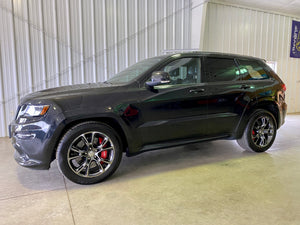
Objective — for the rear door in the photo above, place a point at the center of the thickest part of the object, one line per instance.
(229, 95)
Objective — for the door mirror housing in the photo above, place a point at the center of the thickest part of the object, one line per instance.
(159, 78)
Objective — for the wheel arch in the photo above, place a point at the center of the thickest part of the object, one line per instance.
(112, 122)
(269, 106)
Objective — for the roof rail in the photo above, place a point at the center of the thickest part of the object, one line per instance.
(180, 50)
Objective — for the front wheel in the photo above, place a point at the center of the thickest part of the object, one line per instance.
(260, 132)
(89, 153)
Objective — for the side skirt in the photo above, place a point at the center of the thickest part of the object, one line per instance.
(169, 144)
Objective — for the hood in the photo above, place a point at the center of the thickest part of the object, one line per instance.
(69, 91)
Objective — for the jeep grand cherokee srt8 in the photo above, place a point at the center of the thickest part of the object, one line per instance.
(160, 102)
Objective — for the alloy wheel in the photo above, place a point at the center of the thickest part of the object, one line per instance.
(91, 154)
(262, 131)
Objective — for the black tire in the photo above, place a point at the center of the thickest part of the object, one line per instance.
(89, 153)
(260, 132)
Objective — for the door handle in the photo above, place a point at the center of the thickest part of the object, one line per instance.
(195, 91)
(244, 86)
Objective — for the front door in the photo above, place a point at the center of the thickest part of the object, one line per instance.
(178, 109)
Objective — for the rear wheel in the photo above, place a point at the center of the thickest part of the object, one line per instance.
(89, 153)
(260, 132)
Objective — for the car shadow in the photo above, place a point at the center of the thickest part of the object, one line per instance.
(142, 165)
(177, 158)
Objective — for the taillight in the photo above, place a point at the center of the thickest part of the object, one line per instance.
(283, 87)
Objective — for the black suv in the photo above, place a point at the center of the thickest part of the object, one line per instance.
(160, 102)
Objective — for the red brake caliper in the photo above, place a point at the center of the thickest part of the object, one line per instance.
(253, 134)
(103, 153)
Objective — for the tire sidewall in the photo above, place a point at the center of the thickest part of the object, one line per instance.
(68, 139)
(256, 115)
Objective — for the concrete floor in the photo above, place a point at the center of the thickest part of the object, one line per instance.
(207, 183)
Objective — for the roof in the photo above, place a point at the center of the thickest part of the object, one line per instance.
(204, 53)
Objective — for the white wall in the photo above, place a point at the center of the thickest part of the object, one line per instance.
(257, 33)
(51, 43)
(198, 17)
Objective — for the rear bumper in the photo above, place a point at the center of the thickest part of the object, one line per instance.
(283, 112)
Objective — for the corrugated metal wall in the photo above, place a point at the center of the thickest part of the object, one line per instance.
(50, 43)
(257, 33)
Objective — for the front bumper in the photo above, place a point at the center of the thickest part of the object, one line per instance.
(35, 141)
(30, 142)
(24, 160)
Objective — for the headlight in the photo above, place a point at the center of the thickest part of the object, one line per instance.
(32, 110)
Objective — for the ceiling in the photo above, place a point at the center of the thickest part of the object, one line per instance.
(291, 7)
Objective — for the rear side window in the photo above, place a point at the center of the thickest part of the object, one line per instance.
(220, 69)
(252, 70)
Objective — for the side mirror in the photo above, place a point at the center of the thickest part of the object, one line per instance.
(159, 78)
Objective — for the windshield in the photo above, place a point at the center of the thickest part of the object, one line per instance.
(130, 73)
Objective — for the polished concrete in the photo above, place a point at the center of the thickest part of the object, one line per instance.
(208, 183)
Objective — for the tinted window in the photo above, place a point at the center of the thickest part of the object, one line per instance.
(184, 71)
(220, 69)
(252, 70)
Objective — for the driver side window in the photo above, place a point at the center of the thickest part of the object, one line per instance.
(184, 71)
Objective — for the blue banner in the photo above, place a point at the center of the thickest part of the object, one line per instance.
(295, 40)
